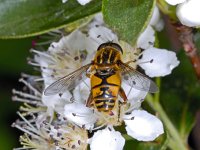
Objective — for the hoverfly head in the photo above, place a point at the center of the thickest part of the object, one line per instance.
(110, 44)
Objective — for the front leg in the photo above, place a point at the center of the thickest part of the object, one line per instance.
(91, 72)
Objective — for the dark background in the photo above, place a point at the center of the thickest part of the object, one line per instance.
(13, 61)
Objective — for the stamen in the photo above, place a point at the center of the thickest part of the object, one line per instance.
(36, 92)
(15, 98)
(25, 95)
(149, 61)
(40, 53)
(33, 63)
(101, 126)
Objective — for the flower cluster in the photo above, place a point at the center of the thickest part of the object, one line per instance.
(62, 121)
(187, 11)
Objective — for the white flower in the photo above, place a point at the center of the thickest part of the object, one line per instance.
(80, 114)
(147, 38)
(32, 101)
(139, 124)
(62, 58)
(97, 21)
(156, 21)
(82, 2)
(64, 1)
(48, 136)
(56, 100)
(188, 13)
(135, 96)
(161, 62)
(175, 2)
(107, 139)
(101, 34)
(143, 126)
(81, 92)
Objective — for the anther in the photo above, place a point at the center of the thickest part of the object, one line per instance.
(60, 94)
(73, 146)
(140, 57)
(79, 142)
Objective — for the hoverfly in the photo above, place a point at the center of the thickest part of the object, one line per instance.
(107, 72)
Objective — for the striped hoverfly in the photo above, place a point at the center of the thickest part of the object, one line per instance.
(106, 73)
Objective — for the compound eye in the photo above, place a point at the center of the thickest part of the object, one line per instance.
(114, 45)
(102, 46)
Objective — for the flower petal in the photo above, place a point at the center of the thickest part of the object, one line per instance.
(53, 100)
(74, 42)
(64, 1)
(83, 2)
(147, 38)
(107, 139)
(81, 92)
(157, 62)
(156, 20)
(175, 2)
(143, 126)
(80, 114)
(188, 13)
(135, 97)
(102, 34)
(97, 21)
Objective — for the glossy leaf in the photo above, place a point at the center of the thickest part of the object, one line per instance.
(24, 18)
(128, 18)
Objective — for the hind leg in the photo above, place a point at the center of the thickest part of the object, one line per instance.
(89, 102)
(123, 95)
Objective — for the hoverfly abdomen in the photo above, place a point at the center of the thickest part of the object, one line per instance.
(105, 90)
(105, 104)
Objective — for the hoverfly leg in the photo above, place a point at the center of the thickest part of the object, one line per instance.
(89, 102)
(131, 61)
(90, 72)
(123, 95)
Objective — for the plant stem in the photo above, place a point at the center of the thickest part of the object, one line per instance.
(177, 141)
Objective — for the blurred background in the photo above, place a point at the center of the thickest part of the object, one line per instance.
(13, 61)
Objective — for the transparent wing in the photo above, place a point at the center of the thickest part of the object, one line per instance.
(67, 82)
(136, 79)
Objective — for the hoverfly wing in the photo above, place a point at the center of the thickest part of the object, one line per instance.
(67, 82)
(136, 79)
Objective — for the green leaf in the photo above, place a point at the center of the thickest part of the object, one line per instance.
(128, 18)
(24, 18)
